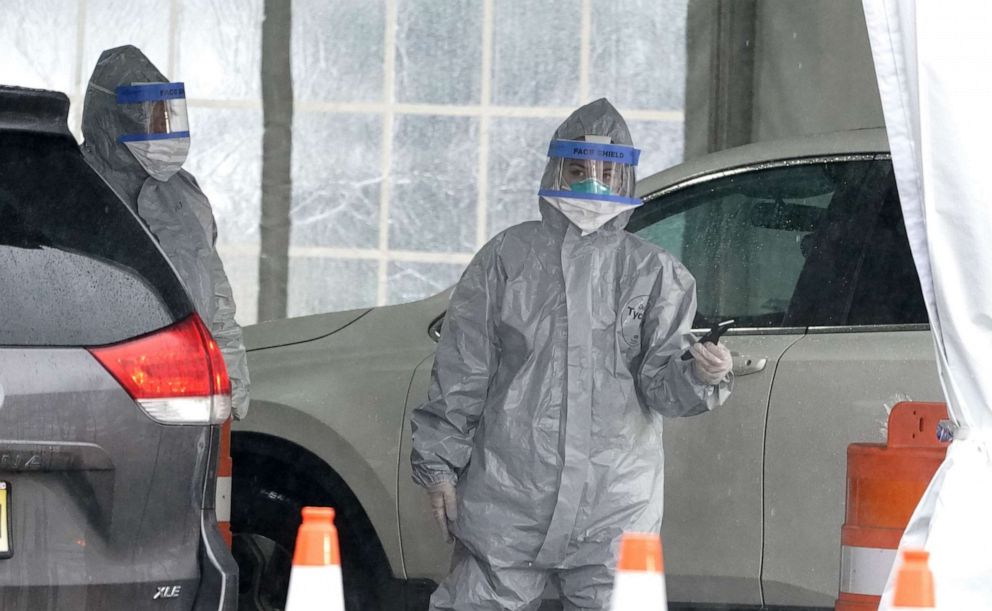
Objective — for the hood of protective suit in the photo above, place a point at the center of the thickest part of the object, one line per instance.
(104, 121)
(597, 118)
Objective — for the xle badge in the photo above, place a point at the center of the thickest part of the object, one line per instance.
(631, 317)
(167, 592)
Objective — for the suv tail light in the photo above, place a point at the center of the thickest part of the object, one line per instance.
(177, 375)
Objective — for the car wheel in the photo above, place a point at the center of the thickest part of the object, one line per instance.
(264, 567)
(265, 519)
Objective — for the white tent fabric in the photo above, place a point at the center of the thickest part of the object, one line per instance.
(934, 66)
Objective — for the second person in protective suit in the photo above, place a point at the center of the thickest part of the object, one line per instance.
(541, 440)
(136, 137)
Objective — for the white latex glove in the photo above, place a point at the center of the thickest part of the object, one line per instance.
(444, 506)
(711, 362)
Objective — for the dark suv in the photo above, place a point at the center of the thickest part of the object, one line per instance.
(112, 392)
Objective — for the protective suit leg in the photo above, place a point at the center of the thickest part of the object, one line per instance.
(586, 587)
(474, 585)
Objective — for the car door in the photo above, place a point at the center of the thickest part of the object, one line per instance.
(868, 346)
(744, 234)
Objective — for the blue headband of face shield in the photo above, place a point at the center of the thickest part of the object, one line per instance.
(592, 170)
(158, 108)
(594, 151)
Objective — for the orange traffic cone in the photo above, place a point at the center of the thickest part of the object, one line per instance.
(315, 582)
(640, 579)
(914, 582)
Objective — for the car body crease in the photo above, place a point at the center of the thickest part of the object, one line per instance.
(313, 339)
(764, 465)
(399, 459)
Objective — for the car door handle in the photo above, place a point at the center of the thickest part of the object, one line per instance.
(746, 365)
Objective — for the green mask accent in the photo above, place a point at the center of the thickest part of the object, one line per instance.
(590, 185)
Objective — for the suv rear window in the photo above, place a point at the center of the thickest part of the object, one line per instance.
(76, 266)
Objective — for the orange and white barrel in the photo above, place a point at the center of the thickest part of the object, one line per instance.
(884, 485)
(222, 502)
(315, 582)
(640, 577)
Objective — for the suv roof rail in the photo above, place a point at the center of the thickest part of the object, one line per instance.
(34, 110)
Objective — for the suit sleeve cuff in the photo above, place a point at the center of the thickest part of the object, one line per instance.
(430, 479)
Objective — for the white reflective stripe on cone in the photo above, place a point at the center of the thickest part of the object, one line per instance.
(864, 570)
(315, 588)
(636, 590)
(222, 502)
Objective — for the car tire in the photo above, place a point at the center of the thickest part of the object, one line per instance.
(268, 494)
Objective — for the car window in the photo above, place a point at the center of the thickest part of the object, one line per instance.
(887, 289)
(76, 267)
(778, 247)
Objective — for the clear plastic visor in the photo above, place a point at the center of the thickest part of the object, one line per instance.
(158, 111)
(585, 176)
(593, 168)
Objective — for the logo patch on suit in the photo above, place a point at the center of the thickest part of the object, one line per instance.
(631, 317)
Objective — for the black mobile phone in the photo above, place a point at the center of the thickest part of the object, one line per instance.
(712, 336)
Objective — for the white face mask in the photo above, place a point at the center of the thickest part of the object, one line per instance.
(160, 158)
(587, 214)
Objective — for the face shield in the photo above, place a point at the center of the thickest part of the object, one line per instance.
(157, 111)
(591, 181)
(592, 170)
(158, 132)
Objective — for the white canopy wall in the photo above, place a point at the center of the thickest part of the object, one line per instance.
(934, 66)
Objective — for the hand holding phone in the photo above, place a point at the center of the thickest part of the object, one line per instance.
(712, 336)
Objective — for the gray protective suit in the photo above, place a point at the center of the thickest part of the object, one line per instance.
(176, 211)
(558, 359)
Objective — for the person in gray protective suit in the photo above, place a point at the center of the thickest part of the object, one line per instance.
(541, 439)
(136, 137)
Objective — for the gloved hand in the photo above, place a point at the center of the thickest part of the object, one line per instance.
(711, 362)
(444, 506)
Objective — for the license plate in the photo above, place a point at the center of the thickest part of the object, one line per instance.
(5, 550)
